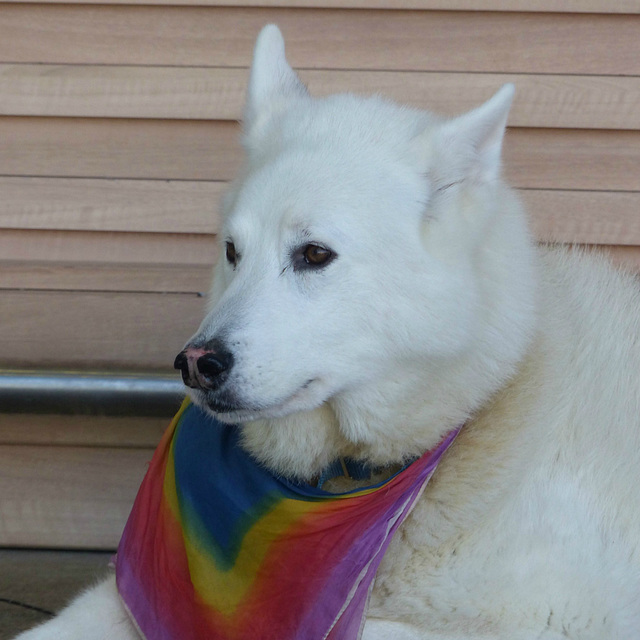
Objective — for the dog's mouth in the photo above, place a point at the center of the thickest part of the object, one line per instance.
(228, 407)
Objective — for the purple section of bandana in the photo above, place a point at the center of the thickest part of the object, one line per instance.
(372, 545)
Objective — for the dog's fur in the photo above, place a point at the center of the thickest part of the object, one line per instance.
(437, 309)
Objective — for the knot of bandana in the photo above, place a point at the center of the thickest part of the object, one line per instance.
(218, 548)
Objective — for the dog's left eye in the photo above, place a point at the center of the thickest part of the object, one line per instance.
(313, 256)
(316, 255)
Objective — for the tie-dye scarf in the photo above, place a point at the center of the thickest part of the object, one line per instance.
(217, 548)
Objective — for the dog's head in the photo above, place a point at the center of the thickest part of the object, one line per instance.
(353, 249)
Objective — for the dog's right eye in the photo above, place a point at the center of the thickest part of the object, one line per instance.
(232, 255)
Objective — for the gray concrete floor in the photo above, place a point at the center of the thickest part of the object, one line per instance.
(35, 583)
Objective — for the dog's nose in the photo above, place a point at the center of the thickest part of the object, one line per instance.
(182, 363)
(202, 367)
(212, 364)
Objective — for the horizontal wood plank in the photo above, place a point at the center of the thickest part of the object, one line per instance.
(323, 38)
(110, 205)
(81, 430)
(586, 217)
(562, 6)
(88, 330)
(210, 150)
(140, 278)
(601, 102)
(572, 159)
(593, 217)
(109, 249)
(71, 497)
(87, 147)
(625, 257)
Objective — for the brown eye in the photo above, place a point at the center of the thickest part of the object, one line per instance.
(316, 256)
(232, 256)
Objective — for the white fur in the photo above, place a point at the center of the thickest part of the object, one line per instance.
(438, 310)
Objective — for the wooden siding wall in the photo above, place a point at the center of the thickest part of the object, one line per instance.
(118, 130)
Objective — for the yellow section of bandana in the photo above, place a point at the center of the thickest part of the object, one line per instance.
(225, 590)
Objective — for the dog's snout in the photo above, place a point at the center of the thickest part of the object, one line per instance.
(202, 367)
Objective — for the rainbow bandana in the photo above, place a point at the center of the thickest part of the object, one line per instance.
(217, 548)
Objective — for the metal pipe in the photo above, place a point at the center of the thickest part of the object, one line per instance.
(89, 393)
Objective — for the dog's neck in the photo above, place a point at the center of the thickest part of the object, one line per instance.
(298, 446)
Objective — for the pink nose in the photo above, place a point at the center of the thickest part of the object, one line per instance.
(203, 368)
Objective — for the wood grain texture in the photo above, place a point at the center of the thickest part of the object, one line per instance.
(324, 38)
(572, 159)
(586, 217)
(67, 497)
(88, 147)
(600, 102)
(153, 206)
(130, 250)
(562, 6)
(210, 150)
(96, 330)
(81, 276)
(79, 430)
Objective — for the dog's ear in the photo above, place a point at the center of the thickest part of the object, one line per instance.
(469, 147)
(272, 82)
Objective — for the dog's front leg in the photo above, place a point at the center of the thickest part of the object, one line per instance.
(97, 614)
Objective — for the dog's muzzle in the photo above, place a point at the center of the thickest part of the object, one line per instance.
(205, 367)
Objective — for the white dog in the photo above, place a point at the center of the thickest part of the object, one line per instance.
(380, 287)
